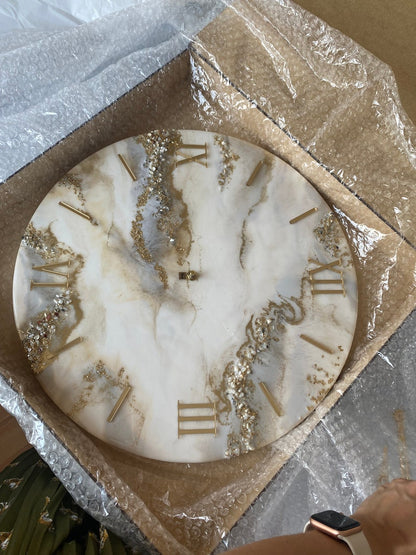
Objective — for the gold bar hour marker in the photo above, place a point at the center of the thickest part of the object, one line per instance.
(119, 403)
(75, 210)
(52, 356)
(274, 403)
(316, 343)
(255, 172)
(193, 146)
(304, 215)
(209, 416)
(76, 341)
(128, 168)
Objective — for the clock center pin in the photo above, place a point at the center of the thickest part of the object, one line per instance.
(190, 275)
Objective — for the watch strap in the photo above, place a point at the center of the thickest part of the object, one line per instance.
(357, 543)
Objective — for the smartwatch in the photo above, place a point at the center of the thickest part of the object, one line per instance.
(340, 527)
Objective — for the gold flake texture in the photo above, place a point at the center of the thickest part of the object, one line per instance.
(73, 183)
(228, 159)
(41, 330)
(38, 336)
(100, 382)
(236, 386)
(168, 207)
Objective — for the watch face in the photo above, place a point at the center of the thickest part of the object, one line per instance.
(336, 521)
(185, 296)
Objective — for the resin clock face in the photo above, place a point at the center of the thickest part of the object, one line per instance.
(185, 296)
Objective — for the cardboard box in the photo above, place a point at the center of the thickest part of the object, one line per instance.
(384, 28)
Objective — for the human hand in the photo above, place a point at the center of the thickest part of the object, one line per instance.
(388, 518)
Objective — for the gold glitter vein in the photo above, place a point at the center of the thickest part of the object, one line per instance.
(329, 233)
(228, 159)
(236, 386)
(40, 331)
(99, 383)
(43, 327)
(163, 276)
(170, 210)
(244, 241)
(41, 242)
(74, 183)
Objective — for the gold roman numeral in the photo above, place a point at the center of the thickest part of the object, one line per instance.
(50, 269)
(207, 413)
(273, 402)
(187, 158)
(320, 286)
(119, 403)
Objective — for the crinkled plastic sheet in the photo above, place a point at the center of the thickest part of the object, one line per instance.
(338, 108)
(52, 82)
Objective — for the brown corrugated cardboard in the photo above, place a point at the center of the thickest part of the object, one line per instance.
(384, 27)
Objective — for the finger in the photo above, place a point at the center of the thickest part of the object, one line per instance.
(398, 483)
(411, 488)
(403, 487)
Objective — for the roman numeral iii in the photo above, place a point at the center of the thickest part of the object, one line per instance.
(201, 413)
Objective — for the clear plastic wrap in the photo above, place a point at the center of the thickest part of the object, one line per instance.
(274, 75)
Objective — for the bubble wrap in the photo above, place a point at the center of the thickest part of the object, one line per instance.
(76, 479)
(271, 73)
(52, 82)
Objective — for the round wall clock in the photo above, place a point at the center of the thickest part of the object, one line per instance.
(185, 296)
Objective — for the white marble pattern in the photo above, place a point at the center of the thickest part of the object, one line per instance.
(175, 338)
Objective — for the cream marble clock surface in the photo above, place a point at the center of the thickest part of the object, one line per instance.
(185, 296)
